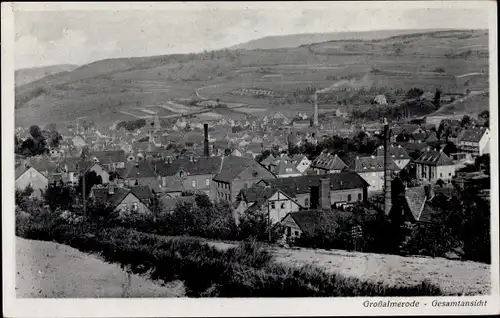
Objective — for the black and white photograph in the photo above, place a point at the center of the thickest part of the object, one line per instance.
(336, 156)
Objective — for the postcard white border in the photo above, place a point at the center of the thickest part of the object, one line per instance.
(217, 307)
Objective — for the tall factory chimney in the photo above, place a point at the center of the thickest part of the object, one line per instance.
(206, 150)
(315, 118)
(387, 172)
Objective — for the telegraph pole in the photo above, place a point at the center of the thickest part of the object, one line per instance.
(84, 157)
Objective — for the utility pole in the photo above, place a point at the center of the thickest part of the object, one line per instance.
(269, 223)
(84, 157)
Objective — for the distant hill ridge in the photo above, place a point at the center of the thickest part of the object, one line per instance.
(296, 40)
(120, 89)
(28, 75)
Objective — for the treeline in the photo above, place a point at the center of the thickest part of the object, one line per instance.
(245, 270)
(131, 125)
(38, 142)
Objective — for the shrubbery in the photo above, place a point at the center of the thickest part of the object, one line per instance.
(243, 271)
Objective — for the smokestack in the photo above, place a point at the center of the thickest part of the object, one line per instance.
(315, 118)
(387, 173)
(206, 150)
(324, 194)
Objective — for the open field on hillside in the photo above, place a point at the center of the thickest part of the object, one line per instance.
(454, 277)
(49, 270)
(111, 88)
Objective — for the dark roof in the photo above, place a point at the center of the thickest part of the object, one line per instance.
(232, 166)
(267, 160)
(412, 146)
(328, 161)
(42, 164)
(431, 137)
(427, 214)
(309, 221)
(102, 196)
(299, 185)
(419, 136)
(109, 156)
(143, 193)
(256, 192)
(201, 165)
(371, 164)
(434, 158)
(472, 134)
(397, 152)
(173, 184)
(141, 169)
(281, 167)
(298, 157)
(404, 129)
(75, 164)
(415, 197)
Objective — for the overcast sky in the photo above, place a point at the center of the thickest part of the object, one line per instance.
(78, 37)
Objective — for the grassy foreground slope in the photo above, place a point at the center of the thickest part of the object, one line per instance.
(53, 270)
(453, 277)
(108, 90)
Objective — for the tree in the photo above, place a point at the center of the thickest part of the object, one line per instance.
(485, 114)
(33, 145)
(483, 163)
(202, 200)
(59, 195)
(466, 121)
(414, 93)
(91, 179)
(437, 98)
(55, 139)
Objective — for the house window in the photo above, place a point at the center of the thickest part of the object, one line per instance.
(193, 183)
(349, 198)
(306, 201)
(135, 206)
(440, 175)
(273, 205)
(124, 207)
(282, 205)
(449, 174)
(360, 197)
(288, 231)
(296, 233)
(207, 182)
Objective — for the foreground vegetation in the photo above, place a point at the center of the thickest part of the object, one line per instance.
(244, 271)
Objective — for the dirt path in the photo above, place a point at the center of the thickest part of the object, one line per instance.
(51, 270)
(454, 277)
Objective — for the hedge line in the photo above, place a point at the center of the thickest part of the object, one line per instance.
(243, 271)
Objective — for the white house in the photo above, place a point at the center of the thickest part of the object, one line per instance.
(398, 154)
(433, 165)
(475, 141)
(301, 162)
(121, 200)
(371, 169)
(266, 199)
(30, 177)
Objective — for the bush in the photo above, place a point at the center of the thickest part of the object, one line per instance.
(243, 271)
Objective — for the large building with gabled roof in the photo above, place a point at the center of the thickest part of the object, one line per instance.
(328, 163)
(475, 141)
(433, 165)
(371, 169)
